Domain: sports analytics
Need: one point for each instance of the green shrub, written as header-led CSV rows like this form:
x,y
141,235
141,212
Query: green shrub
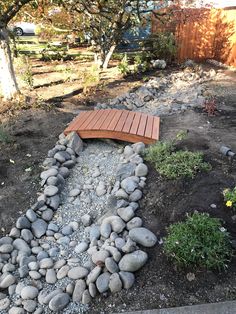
x,y
199,242
230,197
90,78
24,69
175,164
161,46
124,66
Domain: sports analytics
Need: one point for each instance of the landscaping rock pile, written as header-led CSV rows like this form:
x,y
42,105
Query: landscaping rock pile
x,y
173,93
82,237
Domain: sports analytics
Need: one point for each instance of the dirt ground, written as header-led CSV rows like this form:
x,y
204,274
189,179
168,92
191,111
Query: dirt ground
x,y
158,284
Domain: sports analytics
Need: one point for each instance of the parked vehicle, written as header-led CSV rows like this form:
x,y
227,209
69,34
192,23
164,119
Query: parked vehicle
x,y
23,28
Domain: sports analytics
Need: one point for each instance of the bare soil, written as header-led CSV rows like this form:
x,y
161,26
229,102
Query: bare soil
x,y
159,284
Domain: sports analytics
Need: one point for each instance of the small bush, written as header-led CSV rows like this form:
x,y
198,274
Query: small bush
x,y
24,68
90,78
124,66
199,242
175,164
230,197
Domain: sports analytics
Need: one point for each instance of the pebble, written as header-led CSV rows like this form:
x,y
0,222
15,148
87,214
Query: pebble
x,y
74,192
138,148
127,279
143,236
115,284
67,230
16,310
51,277
51,190
86,297
86,220
93,275
126,213
81,247
77,273
29,292
92,290
80,287
102,282
29,305
6,248
47,214
133,261
135,196
111,265
23,223
141,170
34,274
105,230
7,280
4,303
46,263
62,272
100,256
135,222
27,235
39,228
129,185
48,173
30,214
45,296
116,222
59,302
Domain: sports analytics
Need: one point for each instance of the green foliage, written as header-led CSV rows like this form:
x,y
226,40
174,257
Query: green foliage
x,y
24,69
199,242
140,64
4,136
174,164
52,53
124,66
90,78
161,46
230,197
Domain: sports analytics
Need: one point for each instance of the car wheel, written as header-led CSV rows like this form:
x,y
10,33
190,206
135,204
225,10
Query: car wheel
x,y
18,31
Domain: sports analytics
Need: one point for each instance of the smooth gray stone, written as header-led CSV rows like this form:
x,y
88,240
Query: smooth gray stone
x,y
52,181
54,201
116,222
30,214
93,275
50,190
74,142
143,236
92,290
45,296
135,222
64,172
102,282
94,232
23,223
127,279
51,277
129,185
4,304
81,247
115,284
42,255
111,265
141,170
27,235
53,227
126,213
23,271
80,287
133,261
16,310
6,248
125,171
48,173
47,214
29,305
77,272
100,256
39,228
136,196
21,245
105,230
86,297
7,280
46,263
62,272
59,302
67,230
29,292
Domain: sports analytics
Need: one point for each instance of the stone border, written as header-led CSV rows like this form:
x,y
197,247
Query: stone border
x,y
114,241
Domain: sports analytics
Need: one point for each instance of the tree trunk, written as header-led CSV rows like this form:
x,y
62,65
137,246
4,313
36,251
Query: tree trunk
x,y
108,56
9,87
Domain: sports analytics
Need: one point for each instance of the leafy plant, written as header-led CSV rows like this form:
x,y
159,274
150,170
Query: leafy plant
x,y
124,66
140,64
174,164
25,70
230,197
161,46
90,78
200,241
210,107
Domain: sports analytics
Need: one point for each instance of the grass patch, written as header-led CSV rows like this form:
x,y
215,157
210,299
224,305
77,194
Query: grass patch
x,y
199,242
174,164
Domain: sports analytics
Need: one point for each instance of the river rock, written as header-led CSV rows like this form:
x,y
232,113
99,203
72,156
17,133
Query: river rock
x,y
135,222
93,275
86,220
23,223
48,173
92,290
133,261
29,305
143,236
45,296
129,184
135,196
39,228
4,304
59,302
77,272
126,213
30,214
100,256
16,310
75,142
86,297
105,230
102,282
46,263
116,223
115,284
51,276
6,248
7,280
50,190
125,171
141,170
138,148
27,235
80,287
81,247
111,265
127,279
29,292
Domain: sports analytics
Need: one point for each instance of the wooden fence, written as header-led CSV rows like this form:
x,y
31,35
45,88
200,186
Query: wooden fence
x,y
201,33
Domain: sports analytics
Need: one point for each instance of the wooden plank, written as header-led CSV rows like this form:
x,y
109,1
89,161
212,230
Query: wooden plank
x,y
106,123
115,120
86,123
128,122
121,121
142,125
135,124
103,118
155,129
96,119
148,131
73,124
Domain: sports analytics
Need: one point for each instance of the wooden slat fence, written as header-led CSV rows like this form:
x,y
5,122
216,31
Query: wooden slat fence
x,y
202,33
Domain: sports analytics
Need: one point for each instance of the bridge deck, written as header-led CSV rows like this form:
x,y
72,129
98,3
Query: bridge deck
x,y
123,125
